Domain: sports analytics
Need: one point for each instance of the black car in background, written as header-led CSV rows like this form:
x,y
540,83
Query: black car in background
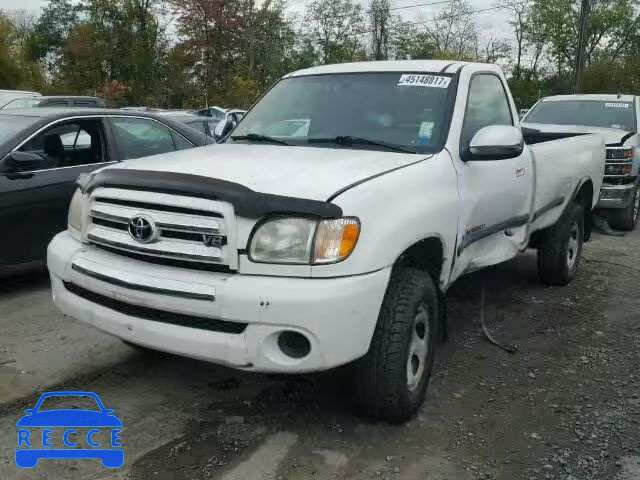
x,y
55,101
44,150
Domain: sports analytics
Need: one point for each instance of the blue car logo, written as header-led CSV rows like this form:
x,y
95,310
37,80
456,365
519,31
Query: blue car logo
x,y
32,446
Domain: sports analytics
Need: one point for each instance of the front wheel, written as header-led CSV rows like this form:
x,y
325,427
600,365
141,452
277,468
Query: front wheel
x,y
392,378
560,247
626,218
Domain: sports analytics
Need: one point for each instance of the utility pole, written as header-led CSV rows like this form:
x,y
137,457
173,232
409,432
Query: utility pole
x,y
580,50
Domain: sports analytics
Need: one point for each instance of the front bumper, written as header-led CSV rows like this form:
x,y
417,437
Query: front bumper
x,y
616,196
337,315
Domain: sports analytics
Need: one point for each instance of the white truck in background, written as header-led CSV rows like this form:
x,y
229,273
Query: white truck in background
x,y
615,117
334,243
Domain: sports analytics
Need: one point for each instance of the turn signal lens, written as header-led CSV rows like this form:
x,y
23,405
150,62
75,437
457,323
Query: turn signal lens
x,y
627,153
626,169
336,239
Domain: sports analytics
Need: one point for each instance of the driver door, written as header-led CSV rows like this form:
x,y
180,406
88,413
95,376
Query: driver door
x,y
495,193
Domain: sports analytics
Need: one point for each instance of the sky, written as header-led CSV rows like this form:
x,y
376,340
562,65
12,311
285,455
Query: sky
x,y
493,21
31,5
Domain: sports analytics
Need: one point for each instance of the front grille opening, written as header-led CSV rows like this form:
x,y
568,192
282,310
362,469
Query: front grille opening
x,y
187,264
145,313
154,206
108,223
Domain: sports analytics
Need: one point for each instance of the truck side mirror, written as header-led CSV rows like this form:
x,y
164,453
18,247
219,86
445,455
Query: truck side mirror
x,y
496,142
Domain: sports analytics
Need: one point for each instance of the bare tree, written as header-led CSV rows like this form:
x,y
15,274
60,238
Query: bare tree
x,y
494,50
23,23
519,10
335,25
380,15
454,32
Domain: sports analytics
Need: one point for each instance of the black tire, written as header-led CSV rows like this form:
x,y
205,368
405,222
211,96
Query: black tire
x,y
560,247
626,218
384,388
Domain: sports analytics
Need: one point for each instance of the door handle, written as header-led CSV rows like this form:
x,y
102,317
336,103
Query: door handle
x,y
520,171
19,175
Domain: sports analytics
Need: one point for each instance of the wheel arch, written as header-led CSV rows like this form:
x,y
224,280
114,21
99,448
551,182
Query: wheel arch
x,y
583,194
428,255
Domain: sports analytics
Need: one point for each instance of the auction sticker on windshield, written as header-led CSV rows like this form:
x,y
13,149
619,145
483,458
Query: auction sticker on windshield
x,y
436,81
617,105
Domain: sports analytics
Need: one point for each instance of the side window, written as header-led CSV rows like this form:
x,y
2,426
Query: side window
x,y
216,114
200,125
140,137
69,144
180,142
76,140
487,104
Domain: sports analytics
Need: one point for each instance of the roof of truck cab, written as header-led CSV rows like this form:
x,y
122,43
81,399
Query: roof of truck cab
x,y
598,97
401,66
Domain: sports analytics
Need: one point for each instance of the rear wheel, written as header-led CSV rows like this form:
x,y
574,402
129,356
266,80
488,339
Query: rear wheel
x,y
391,380
626,218
560,247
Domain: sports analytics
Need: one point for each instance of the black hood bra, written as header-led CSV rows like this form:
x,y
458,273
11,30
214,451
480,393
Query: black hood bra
x,y
246,202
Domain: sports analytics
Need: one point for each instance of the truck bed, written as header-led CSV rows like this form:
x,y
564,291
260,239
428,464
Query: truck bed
x,y
558,159
532,136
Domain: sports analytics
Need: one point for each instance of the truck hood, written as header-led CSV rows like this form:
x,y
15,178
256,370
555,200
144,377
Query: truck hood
x,y
611,135
303,172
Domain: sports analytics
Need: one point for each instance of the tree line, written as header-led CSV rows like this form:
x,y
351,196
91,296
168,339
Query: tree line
x,y
190,53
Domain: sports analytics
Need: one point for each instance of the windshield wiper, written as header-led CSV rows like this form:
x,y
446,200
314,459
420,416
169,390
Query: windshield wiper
x,y
256,137
348,140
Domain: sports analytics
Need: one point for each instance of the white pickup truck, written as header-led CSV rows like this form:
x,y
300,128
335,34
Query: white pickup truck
x,y
328,227
616,118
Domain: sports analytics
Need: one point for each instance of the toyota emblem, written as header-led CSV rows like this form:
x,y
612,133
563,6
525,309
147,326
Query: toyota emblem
x,y
142,229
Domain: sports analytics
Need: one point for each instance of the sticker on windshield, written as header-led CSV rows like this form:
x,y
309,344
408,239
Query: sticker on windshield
x,y
425,133
616,105
424,80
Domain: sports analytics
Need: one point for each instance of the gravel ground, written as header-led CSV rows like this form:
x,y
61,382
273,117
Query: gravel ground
x,y
565,406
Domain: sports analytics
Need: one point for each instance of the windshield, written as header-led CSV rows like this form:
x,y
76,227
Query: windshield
x,y
589,113
406,110
10,125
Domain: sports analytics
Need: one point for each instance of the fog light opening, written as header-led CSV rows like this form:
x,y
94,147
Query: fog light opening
x,y
294,344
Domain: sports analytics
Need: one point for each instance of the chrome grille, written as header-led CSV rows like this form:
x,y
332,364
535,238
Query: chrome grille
x,y
182,231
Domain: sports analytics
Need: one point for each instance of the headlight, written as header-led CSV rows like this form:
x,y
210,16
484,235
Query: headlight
x,y
620,169
74,220
619,153
304,241
284,240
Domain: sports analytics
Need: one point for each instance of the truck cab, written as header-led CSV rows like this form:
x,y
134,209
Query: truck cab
x,y
615,117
